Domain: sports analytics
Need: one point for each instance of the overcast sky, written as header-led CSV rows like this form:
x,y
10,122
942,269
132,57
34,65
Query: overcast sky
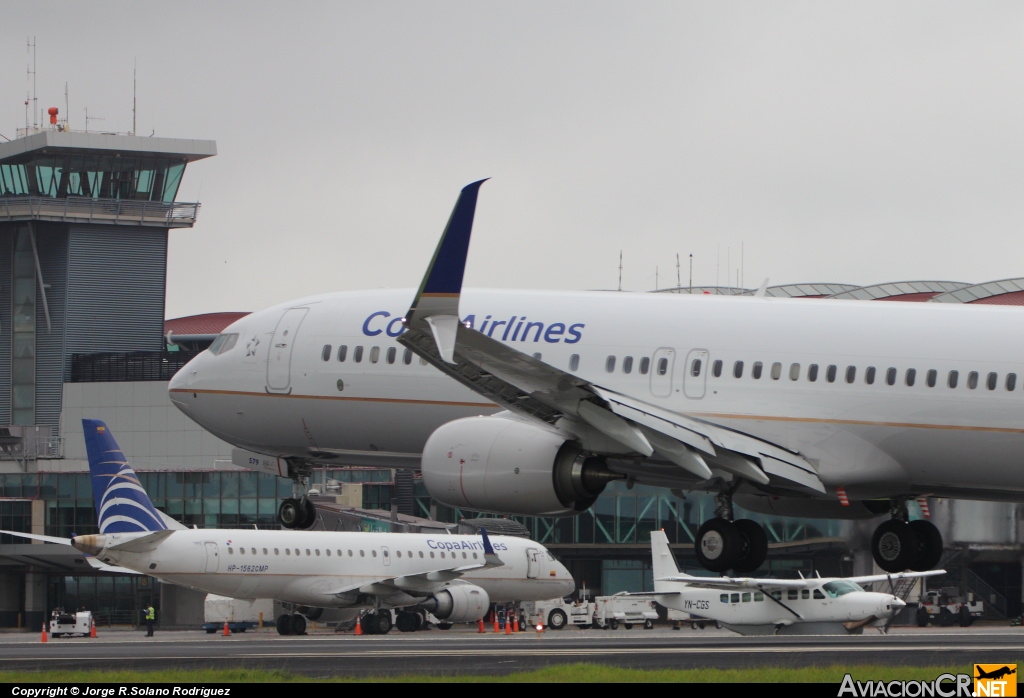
x,y
851,142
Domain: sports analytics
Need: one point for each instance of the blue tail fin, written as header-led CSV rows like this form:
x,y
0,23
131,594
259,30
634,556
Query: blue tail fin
x,y
122,505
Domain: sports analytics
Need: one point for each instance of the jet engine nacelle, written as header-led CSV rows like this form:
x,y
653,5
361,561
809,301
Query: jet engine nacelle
x,y
462,603
508,466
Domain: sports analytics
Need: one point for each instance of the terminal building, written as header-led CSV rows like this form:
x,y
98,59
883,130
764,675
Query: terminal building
x,y
84,225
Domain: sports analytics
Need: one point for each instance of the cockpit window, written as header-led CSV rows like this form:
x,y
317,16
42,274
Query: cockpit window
x,y
223,343
840,588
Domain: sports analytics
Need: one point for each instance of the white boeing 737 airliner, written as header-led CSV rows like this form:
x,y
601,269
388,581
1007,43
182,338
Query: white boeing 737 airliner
x,y
454,577
529,402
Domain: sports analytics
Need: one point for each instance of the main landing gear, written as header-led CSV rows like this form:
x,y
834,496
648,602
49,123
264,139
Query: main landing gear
x,y
898,545
724,544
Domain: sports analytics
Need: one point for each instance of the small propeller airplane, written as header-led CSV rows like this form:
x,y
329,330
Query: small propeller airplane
x,y
749,606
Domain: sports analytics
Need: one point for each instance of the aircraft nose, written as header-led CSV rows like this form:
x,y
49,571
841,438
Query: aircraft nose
x,y
180,384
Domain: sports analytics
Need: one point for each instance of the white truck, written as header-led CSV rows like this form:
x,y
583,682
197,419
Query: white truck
x,y
947,606
601,613
239,614
67,624
623,609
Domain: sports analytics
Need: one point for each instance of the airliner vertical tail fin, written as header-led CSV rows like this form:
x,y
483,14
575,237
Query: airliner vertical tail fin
x,y
122,505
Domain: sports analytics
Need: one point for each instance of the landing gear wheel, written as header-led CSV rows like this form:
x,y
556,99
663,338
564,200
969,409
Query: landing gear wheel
x,y
284,624
408,621
718,545
309,513
965,617
922,617
756,548
382,625
894,545
289,514
369,623
298,624
929,545
557,619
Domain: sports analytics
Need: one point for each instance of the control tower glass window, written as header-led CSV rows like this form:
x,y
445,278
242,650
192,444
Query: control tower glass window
x,y
63,175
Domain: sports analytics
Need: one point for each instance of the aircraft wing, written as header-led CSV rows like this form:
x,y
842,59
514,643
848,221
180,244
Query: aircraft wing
x,y
527,386
868,579
734,583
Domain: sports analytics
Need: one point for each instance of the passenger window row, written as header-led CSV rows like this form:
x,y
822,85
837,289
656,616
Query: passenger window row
x,y
315,552
374,355
892,375
643,366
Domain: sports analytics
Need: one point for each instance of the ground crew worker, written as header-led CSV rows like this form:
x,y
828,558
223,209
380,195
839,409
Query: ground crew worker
x,y
150,620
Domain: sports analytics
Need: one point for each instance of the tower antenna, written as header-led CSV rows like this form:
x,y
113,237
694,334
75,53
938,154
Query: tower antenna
x,y
31,47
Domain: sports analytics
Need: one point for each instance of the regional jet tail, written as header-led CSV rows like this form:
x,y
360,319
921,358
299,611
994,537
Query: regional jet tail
x,y
453,577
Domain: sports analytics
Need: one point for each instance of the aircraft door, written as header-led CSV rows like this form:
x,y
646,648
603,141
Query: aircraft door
x,y
532,563
661,372
212,558
695,377
279,358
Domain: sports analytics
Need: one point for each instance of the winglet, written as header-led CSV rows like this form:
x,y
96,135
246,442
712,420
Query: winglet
x,y
491,558
442,284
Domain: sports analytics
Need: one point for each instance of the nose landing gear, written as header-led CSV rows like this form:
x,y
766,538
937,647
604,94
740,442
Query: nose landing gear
x,y
296,513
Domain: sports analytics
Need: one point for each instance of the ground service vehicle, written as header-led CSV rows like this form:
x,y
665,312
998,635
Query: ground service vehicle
x,y
947,606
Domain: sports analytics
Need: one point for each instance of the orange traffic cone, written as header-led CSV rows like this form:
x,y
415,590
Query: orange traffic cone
x,y
495,616
508,627
44,637
92,627
481,629
227,630
515,620
540,630
359,627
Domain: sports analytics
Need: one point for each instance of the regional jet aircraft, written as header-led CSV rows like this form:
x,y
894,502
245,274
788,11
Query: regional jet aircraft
x,y
453,577
530,402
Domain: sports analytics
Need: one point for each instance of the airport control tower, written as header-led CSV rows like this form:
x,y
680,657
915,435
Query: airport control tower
x,y
84,220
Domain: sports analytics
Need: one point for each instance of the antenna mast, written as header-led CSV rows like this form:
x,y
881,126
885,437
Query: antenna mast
x,y
31,47
620,270
135,70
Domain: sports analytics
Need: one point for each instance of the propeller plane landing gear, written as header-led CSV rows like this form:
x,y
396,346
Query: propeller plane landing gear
x,y
899,545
